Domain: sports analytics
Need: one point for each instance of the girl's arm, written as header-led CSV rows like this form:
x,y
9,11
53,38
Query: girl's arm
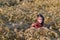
x,y
33,24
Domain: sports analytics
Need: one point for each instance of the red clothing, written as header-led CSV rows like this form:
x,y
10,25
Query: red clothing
x,y
36,25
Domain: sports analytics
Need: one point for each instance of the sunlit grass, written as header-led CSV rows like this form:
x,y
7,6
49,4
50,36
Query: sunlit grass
x,y
16,17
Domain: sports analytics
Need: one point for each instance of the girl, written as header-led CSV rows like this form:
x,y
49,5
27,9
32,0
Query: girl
x,y
39,21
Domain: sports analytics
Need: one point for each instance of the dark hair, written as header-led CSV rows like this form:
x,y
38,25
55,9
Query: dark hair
x,y
40,15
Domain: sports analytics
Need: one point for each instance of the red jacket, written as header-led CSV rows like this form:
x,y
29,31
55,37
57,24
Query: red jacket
x,y
36,25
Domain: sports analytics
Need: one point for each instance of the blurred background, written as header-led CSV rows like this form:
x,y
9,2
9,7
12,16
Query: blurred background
x,y
20,14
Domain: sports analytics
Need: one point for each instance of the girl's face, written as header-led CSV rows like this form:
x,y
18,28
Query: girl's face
x,y
39,19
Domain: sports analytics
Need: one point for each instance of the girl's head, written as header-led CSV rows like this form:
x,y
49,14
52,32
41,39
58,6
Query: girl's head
x,y
40,19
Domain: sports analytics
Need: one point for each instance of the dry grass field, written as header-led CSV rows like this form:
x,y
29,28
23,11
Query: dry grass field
x,y
16,17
